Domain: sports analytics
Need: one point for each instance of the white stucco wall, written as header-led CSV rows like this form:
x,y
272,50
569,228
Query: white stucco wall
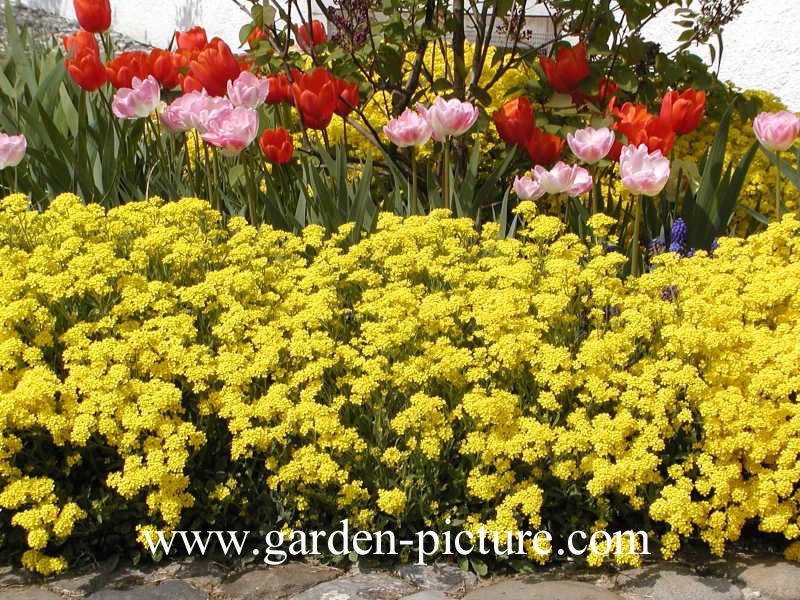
x,y
762,47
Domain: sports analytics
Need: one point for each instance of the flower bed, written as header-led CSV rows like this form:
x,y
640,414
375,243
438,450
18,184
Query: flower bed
x,y
159,370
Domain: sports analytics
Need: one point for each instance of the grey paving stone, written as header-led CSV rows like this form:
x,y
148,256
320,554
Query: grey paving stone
x,y
669,582
28,593
204,575
441,577
277,582
11,576
427,595
775,579
166,590
544,590
363,586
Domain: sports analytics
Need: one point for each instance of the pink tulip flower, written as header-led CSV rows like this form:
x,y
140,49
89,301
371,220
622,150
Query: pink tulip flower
x,y
776,131
12,150
232,130
581,184
248,90
590,145
137,101
557,180
451,117
409,129
527,188
643,172
193,111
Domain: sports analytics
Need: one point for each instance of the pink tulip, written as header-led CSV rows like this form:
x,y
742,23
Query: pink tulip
x,y
248,90
557,180
451,117
582,183
590,145
776,131
194,111
12,150
527,188
137,101
232,130
643,172
409,129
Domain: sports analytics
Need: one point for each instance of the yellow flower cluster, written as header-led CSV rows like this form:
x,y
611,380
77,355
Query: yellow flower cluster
x,y
186,368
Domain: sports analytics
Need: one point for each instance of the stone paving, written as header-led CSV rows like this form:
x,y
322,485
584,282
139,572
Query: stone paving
x,y
764,578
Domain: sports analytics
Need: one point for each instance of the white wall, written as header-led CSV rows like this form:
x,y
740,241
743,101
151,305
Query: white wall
x,y
762,47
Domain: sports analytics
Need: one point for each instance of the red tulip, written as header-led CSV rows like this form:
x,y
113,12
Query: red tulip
x,y
515,121
125,67
190,84
277,145
311,34
280,90
164,65
214,67
87,70
256,36
632,117
544,148
568,70
347,97
193,40
615,152
315,96
93,15
683,111
80,42
656,134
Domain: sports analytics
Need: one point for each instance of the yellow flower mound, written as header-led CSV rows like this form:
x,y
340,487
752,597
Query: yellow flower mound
x,y
159,369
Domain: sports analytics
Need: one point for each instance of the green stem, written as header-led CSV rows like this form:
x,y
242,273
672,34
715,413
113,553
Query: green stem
x,y
636,225
778,203
251,189
446,175
414,190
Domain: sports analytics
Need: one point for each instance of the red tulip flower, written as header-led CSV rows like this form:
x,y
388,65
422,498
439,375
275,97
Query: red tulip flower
x,y
683,111
83,60
256,36
93,15
280,90
515,121
125,67
87,70
310,35
656,134
193,40
544,148
214,67
164,66
80,42
568,70
347,97
316,97
277,145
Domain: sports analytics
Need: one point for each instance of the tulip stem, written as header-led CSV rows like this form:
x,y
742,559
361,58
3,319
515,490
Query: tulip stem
x,y
446,175
778,203
251,190
637,221
414,191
